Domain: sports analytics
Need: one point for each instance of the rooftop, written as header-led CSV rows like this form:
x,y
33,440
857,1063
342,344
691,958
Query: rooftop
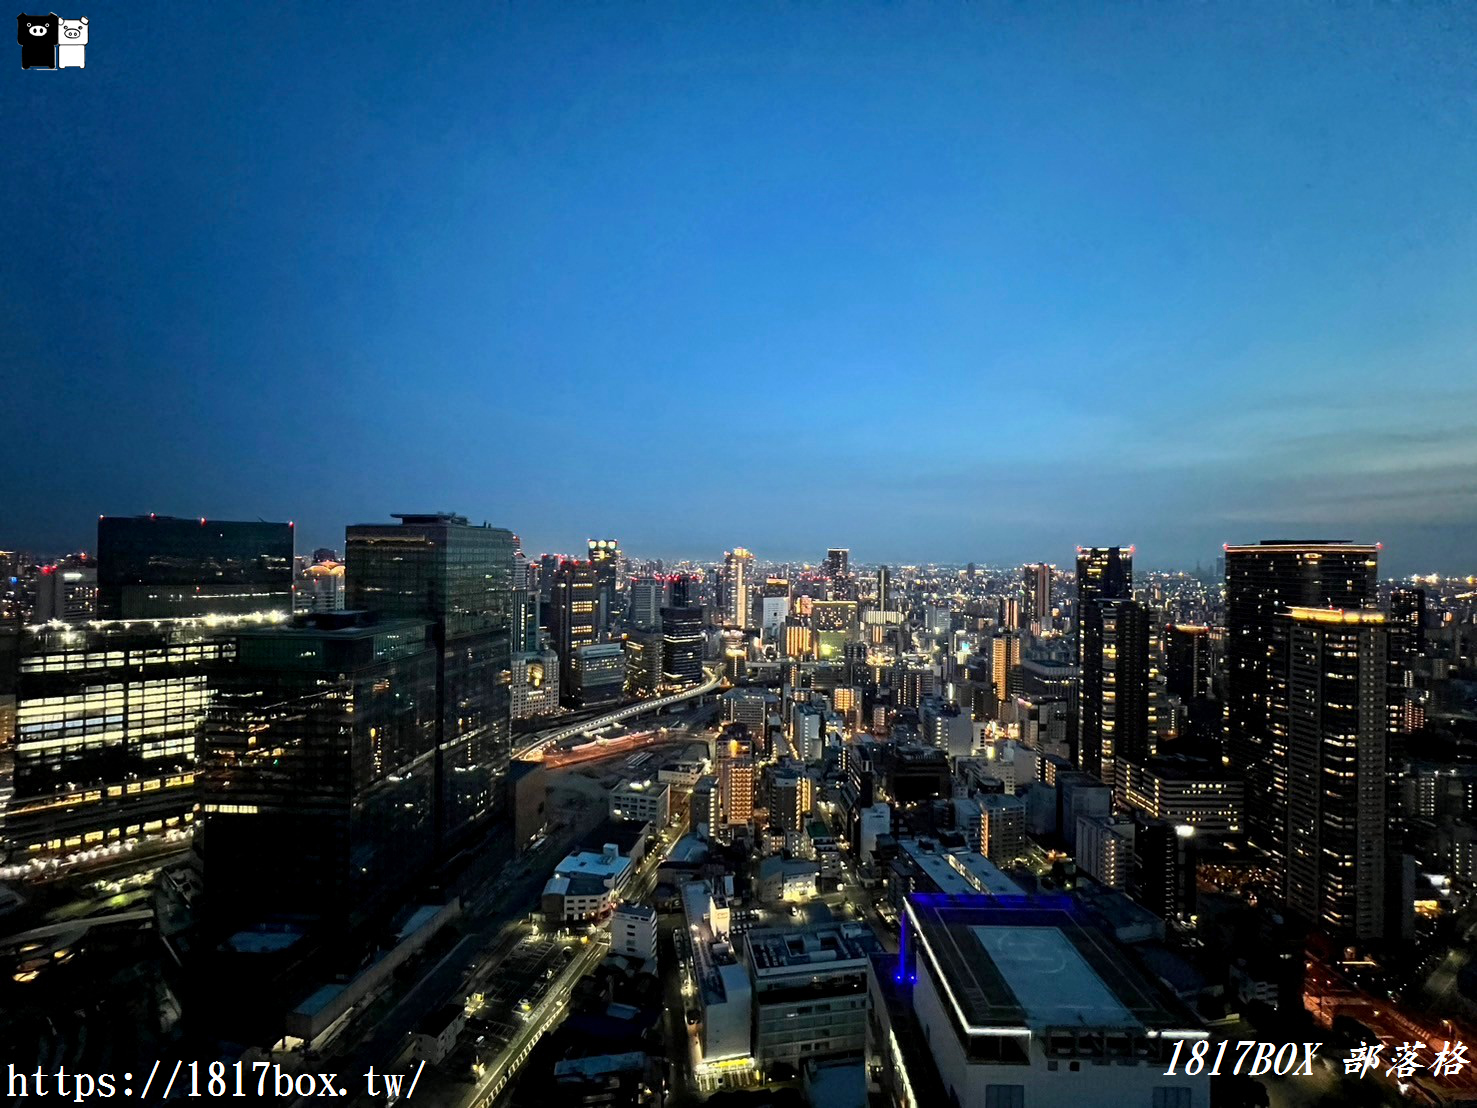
x,y
637,911
1031,966
775,948
623,834
598,1065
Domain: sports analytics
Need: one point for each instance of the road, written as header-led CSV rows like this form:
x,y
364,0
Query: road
x,y
1328,994
551,1009
534,749
547,1014
494,920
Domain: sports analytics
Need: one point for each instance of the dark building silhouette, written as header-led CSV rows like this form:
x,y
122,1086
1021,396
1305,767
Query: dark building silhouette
x,y
1334,856
1114,703
160,567
1164,858
682,646
317,771
574,611
1262,583
1187,661
1037,579
458,577
1104,573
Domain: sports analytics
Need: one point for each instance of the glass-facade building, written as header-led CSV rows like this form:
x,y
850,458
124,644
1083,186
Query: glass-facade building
x,y
159,567
682,647
459,578
318,770
574,615
107,716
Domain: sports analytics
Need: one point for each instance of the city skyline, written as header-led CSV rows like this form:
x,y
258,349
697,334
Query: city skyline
x,y
996,281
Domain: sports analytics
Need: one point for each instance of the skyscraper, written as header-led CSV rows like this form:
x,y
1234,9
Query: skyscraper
x,y
159,567
1104,573
1262,583
1336,784
1187,660
884,589
1407,642
682,646
458,577
837,572
605,555
317,767
1114,704
648,597
643,662
574,612
1005,666
736,563
835,623
685,591
1038,592
774,608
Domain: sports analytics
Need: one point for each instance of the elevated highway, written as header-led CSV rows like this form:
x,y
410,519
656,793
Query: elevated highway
x,y
533,750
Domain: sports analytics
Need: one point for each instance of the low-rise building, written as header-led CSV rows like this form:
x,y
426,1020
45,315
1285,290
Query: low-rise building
x,y
587,884
787,879
436,1035
633,931
645,801
718,984
810,992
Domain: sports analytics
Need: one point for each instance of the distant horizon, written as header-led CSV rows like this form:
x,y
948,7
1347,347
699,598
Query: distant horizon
x,y
533,552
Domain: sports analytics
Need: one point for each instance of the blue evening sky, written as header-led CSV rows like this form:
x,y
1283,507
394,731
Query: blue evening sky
x,y
933,281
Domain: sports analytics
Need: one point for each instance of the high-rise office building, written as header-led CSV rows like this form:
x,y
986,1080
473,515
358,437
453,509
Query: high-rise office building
x,y
66,592
1336,772
317,770
159,567
884,589
535,687
106,721
1262,583
1114,702
736,566
1038,592
605,557
682,646
648,597
774,608
574,613
686,591
600,674
643,663
458,577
